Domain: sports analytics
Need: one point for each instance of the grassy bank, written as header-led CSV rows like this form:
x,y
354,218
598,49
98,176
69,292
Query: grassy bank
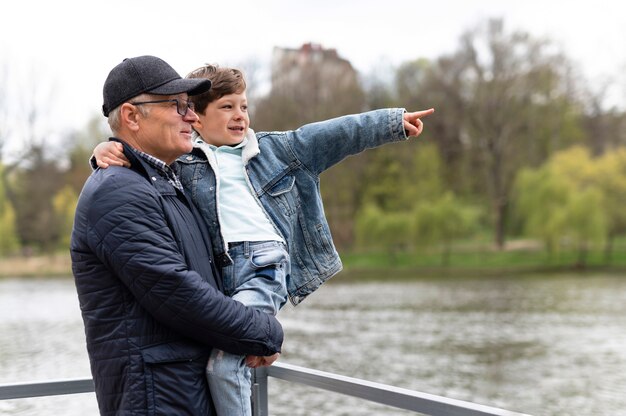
x,y
475,259
36,266
518,257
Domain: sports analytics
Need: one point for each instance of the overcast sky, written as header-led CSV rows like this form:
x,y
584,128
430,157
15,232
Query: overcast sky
x,y
73,44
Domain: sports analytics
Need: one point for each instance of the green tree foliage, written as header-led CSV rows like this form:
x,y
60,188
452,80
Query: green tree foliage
x,y
540,198
64,204
561,203
387,231
442,221
33,187
585,212
401,175
587,221
388,180
610,179
426,177
508,105
8,237
397,180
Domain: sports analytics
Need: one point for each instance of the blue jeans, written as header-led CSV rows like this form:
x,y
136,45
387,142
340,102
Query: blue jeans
x,y
257,278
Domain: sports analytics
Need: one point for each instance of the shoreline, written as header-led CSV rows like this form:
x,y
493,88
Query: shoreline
x,y
51,265
59,264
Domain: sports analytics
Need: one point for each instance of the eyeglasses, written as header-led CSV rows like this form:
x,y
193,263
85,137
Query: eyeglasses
x,y
182,106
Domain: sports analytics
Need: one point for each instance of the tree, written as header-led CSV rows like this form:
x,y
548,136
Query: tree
x,y
8,236
610,179
308,84
389,231
30,176
80,145
378,87
387,180
540,197
64,204
399,176
442,86
587,221
32,188
442,221
561,202
514,105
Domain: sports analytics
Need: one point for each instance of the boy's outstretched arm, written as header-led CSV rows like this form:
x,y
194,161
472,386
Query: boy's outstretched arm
x,y
413,123
110,154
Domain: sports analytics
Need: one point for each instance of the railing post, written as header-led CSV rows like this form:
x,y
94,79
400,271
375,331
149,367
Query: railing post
x,y
260,405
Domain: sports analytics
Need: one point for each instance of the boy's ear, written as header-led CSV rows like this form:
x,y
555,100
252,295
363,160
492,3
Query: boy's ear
x,y
197,125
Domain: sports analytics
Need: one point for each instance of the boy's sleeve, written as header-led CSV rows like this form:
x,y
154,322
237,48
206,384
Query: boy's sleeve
x,y
318,146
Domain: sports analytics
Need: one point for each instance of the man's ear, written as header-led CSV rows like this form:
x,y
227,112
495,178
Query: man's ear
x,y
129,115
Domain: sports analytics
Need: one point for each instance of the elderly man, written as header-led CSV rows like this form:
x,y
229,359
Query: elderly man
x,y
148,288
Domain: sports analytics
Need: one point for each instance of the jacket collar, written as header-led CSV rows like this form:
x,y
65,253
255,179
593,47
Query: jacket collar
x,y
250,149
142,167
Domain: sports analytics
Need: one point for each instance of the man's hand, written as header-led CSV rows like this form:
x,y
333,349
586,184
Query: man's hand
x,y
412,123
110,154
254,361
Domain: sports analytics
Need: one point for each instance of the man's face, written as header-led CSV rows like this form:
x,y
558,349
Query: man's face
x,y
225,120
163,132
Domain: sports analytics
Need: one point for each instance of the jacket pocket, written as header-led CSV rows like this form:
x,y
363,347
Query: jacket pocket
x,y
283,185
269,255
325,241
282,195
175,379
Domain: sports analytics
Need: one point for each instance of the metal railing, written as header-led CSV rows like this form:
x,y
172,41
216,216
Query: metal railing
x,y
423,403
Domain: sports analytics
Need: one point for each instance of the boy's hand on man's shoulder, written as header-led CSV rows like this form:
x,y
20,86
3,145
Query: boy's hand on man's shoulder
x,y
110,154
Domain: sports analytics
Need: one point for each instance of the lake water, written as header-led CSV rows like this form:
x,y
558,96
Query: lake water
x,y
546,346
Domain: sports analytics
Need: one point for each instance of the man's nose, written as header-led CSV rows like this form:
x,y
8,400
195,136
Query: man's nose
x,y
190,116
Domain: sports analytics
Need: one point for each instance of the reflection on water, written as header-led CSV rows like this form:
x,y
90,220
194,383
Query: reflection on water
x,y
545,346
42,338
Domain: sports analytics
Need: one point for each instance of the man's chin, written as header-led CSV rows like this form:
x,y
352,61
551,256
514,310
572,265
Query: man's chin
x,y
186,146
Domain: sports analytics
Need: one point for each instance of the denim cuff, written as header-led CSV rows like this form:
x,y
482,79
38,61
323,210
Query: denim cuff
x,y
396,121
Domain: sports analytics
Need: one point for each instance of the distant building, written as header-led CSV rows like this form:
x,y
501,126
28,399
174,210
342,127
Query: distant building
x,y
311,66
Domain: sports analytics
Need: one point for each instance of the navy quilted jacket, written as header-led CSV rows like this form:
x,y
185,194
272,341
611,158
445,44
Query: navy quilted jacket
x,y
150,297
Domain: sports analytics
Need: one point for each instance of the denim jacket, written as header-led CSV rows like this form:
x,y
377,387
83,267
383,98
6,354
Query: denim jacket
x,y
282,169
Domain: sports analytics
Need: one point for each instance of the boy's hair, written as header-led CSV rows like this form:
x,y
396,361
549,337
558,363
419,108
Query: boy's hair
x,y
224,81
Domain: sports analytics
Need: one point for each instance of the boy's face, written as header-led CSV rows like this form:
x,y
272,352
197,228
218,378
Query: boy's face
x,y
225,121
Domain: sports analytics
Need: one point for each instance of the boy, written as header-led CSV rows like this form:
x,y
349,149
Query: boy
x,y
259,194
